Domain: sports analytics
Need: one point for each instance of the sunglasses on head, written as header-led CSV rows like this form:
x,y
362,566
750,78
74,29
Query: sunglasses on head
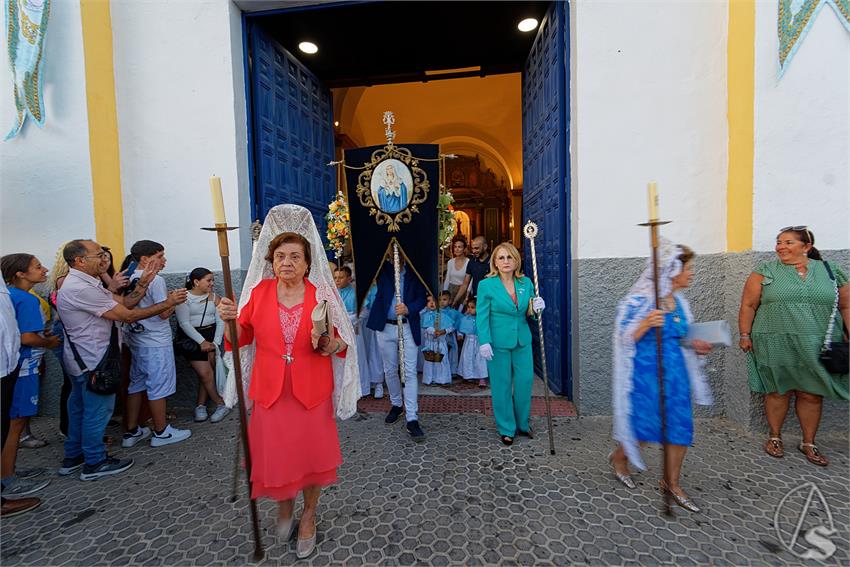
x,y
787,228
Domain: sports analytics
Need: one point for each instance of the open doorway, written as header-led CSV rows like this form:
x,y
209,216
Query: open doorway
x,y
373,56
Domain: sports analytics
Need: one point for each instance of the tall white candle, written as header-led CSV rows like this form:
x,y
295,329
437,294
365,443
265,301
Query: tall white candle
x,y
652,196
217,200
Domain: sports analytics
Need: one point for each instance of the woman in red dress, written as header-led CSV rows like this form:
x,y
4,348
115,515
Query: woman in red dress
x,y
292,431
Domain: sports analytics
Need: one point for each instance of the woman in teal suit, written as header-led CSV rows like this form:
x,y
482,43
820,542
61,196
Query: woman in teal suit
x,y
505,301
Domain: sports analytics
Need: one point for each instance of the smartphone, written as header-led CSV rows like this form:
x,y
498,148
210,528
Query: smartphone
x,y
131,269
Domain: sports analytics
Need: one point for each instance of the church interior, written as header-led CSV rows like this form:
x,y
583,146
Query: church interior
x,y
451,73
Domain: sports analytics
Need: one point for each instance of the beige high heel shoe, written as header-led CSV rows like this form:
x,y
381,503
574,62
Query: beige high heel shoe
x,y
626,479
305,547
682,501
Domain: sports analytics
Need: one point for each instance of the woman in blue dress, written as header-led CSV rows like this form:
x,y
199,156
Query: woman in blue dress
x,y
637,416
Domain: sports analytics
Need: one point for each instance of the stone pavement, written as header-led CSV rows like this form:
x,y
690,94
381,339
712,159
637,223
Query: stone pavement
x,y
458,498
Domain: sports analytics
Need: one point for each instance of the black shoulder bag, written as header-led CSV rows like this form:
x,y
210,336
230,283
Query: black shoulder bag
x,y
183,343
834,355
105,379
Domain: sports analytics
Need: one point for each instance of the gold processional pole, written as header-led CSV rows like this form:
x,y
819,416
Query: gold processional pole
x,y
221,229
653,225
530,232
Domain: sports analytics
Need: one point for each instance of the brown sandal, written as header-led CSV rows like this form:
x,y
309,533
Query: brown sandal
x,y
814,457
774,447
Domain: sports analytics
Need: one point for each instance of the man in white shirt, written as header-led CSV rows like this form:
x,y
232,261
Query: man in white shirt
x,y
152,367
88,311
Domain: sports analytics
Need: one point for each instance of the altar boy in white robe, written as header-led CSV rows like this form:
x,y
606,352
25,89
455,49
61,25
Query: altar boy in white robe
x,y
373,351
450,318
434,344
342,277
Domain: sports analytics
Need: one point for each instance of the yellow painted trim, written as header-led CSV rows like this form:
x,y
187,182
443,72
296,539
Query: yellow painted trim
x,y
103,125
740,102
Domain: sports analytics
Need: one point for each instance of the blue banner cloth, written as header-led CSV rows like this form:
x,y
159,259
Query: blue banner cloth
x,y
796,18
26,26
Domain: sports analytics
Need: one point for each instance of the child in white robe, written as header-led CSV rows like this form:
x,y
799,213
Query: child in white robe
x,y
434,339
451,317
373,352
472,365
342,278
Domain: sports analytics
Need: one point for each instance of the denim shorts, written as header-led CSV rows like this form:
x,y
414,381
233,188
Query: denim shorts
x,y
152,370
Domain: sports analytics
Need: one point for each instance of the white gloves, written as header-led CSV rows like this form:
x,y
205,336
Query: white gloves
x,y
486,352
538,304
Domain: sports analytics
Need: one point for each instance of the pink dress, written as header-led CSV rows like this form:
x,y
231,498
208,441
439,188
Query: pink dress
x,y
292,447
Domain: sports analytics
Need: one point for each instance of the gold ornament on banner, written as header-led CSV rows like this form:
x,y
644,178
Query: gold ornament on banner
x,y
392,185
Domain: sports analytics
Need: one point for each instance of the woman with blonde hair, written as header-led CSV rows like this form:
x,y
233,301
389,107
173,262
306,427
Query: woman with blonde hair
x,y
505,301
54,282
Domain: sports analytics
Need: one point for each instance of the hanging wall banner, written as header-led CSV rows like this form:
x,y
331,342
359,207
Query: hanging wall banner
x,y
796,18
393,192
26,25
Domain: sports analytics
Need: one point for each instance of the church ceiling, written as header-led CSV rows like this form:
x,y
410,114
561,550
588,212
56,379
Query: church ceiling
x,y
368,43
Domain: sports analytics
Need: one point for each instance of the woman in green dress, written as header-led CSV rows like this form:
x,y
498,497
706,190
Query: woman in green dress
x,y
785,312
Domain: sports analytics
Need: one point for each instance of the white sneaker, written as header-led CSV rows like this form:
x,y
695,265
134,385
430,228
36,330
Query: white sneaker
x,y
219,413
379,391
169,436
131,439
201,413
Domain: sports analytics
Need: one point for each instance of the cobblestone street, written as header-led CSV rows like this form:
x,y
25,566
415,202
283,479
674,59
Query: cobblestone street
x,y
458,498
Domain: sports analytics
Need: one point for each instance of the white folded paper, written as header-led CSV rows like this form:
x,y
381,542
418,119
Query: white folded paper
x,y
714,332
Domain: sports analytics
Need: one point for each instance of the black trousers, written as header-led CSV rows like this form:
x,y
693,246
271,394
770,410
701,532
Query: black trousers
x,y
7,390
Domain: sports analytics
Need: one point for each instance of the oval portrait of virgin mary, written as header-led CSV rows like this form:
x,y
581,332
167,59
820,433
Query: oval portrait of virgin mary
x,y
392,186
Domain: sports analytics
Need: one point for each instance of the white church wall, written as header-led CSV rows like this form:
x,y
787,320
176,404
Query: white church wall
x,y
802,132
639,116
45,174
181,118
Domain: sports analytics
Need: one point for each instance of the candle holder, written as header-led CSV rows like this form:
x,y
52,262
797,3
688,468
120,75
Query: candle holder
x,y
224,252
653,225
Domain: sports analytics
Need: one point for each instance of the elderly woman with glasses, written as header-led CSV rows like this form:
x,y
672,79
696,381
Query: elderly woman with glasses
x,y
786,310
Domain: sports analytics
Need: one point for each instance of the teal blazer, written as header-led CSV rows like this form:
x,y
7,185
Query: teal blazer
x,y
501,323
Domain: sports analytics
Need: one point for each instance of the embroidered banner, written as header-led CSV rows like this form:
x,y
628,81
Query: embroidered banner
x,y
796,18
26,25
393,195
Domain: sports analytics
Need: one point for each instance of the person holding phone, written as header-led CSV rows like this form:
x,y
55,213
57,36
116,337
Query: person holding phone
x,y
152,370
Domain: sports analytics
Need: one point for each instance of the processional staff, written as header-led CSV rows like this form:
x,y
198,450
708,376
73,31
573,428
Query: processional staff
x,y
653,224
398,318
530,232
221,229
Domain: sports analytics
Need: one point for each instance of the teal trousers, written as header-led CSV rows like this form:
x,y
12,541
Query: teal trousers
x,y
511,375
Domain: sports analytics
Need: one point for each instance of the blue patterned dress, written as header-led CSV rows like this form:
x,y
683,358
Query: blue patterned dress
x,y
645,413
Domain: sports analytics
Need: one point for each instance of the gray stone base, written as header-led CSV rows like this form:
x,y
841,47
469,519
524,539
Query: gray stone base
x,y
715,294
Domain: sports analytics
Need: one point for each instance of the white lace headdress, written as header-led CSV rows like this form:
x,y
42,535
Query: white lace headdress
x,y
292,218
631,310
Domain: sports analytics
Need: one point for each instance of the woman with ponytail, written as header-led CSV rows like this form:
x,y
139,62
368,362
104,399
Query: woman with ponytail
x,y
199,332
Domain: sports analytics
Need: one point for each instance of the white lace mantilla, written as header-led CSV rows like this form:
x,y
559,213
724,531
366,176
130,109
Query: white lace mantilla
x,y
293,218
631,310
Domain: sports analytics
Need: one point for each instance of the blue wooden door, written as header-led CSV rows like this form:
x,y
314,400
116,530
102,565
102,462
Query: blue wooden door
x,y
292,132
546,176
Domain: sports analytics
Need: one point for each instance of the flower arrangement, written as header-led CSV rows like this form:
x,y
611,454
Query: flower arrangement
x,y
446,215
339,229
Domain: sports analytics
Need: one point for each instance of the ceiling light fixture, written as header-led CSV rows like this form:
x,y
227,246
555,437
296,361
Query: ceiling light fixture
x,y
310,48
527,25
